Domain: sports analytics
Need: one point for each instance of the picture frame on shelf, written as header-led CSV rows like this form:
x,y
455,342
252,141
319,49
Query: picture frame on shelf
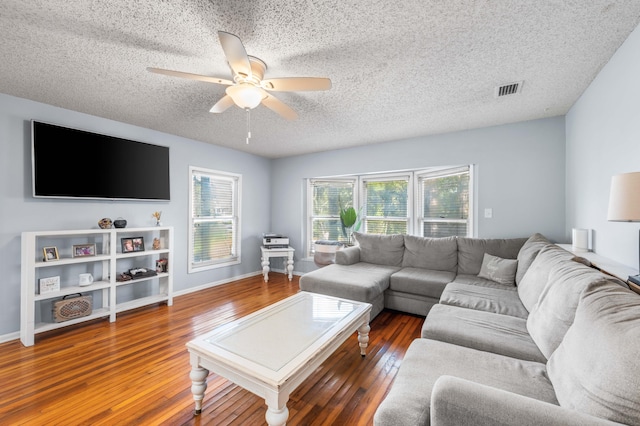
x,y
84,250
50,253
49,285
131,245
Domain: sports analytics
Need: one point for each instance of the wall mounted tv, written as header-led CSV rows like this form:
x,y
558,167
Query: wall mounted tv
x,y
72,163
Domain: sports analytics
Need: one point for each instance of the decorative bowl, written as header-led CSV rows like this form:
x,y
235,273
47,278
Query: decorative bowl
x,y
120,223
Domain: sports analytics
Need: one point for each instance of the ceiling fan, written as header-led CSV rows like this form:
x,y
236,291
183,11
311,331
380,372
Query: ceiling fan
x,y
248,89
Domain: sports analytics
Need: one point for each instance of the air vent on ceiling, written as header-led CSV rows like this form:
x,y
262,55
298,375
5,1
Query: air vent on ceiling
x,y
509,89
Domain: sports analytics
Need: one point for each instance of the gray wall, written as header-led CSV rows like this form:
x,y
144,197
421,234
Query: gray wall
x,y
603,139
520,175
19,211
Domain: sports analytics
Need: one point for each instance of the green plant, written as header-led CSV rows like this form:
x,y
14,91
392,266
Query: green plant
x,y
350,222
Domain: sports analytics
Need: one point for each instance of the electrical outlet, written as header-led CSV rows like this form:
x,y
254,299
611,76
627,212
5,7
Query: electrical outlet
x,y
488,213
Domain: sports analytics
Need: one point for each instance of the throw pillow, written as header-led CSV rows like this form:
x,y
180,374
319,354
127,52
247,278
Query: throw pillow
x,y
497,269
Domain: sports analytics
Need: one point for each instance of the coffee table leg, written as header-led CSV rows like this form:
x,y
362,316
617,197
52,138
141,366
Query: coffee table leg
x,y
363,338
277,417
198,377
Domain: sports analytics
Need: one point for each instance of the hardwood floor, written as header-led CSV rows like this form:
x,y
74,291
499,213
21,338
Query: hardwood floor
x,y
135,371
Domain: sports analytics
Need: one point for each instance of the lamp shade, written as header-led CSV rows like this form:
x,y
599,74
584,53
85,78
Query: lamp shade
x,y
624,198
245,95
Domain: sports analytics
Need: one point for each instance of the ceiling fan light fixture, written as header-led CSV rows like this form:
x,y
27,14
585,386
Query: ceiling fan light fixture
x,y
245,95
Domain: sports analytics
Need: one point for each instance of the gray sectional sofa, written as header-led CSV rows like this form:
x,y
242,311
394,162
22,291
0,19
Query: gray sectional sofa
x,y
408,273
516,331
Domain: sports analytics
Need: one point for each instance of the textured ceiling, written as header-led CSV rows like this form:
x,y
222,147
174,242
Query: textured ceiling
x,y
399,69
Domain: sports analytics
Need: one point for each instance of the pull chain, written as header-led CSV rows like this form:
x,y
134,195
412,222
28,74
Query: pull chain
x,y
248,125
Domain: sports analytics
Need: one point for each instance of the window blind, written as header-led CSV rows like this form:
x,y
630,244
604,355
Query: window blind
x,y
327,197
214,219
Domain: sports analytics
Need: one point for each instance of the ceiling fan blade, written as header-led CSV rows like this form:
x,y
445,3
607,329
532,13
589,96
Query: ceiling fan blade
x,y
190,76
295,84
236,54
222,104
278,106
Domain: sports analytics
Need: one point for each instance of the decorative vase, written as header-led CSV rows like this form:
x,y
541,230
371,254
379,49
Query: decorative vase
x,y
120,223
156,216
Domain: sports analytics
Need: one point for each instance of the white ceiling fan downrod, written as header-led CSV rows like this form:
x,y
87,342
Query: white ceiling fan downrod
x,y
248,124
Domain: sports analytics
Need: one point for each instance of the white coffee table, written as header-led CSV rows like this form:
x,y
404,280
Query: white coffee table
x,y
273,350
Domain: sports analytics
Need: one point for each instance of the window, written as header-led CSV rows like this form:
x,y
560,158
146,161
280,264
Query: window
x,y
326,198
215,224
435,202
444,203
386,204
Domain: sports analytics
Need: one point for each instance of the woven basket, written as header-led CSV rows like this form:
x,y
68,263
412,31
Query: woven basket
x,y
71,308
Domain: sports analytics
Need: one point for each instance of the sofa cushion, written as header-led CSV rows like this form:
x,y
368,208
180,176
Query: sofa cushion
x,y
361,281
528,253
504,301
497,269
471,251
536,277
554,312
595,368
424,282
381,249
485,331
408,401
440,254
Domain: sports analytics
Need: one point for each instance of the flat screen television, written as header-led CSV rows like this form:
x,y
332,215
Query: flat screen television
x,y
72,163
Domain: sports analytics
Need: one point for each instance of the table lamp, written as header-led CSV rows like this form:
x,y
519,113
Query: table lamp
x,y
624,204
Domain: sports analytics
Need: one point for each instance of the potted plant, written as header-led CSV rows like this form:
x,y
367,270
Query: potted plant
x,y
350,222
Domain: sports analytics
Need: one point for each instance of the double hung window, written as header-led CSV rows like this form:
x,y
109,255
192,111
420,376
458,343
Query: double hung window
x,y
327,197
443,200
214,219
386,204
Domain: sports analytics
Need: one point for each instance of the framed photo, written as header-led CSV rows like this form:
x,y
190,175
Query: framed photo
x,y
49,285
50,253
130,245
82,250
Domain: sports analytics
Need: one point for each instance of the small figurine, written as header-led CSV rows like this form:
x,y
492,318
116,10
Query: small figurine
x,y
156,243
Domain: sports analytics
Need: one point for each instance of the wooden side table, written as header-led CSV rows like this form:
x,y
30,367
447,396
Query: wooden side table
x,y
268,253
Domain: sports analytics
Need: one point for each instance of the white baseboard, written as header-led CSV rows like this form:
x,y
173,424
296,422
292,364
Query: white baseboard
x,y
215,283
9,337
225,281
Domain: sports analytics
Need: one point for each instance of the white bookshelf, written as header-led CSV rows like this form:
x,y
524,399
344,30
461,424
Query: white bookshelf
x,y
110,296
